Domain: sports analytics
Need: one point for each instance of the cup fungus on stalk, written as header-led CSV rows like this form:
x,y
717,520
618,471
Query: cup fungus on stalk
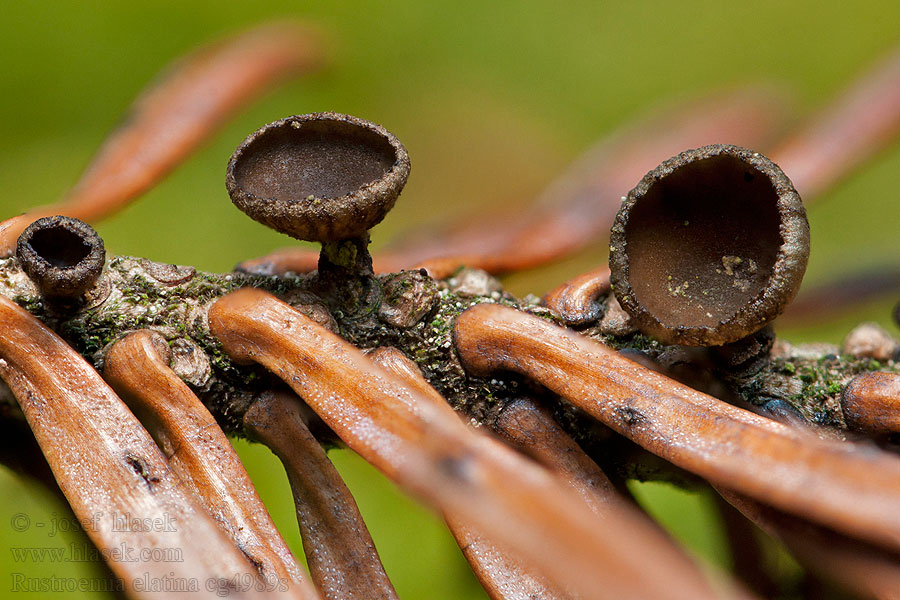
x,y
64,257
322,177
709,247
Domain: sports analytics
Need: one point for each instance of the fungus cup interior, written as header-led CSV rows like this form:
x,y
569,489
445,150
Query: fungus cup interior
x,y
59,246
305,160
703,241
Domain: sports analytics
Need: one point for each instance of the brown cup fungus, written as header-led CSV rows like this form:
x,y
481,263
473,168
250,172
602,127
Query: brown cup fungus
x,y
709,247
63,256
323,177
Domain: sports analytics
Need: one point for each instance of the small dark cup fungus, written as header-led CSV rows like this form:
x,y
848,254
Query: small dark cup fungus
x,y
321,177
709,247
63,256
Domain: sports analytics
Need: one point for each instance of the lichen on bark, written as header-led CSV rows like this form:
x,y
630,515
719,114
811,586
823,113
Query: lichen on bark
x,y
140,294
416,315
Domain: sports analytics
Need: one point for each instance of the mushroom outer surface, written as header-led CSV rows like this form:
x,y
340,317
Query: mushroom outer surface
x,y
319,177
64,256
709,247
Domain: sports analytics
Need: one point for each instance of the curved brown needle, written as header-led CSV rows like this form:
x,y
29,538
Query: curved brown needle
x,y
576,300
860,567
748,558
198,452
171,119
576,209
109,468
531,428
501,576
789,469
871,403
858,123
341,554
443,462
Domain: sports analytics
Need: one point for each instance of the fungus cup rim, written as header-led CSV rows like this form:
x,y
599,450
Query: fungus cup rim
x,y
62,280
781,286
323,219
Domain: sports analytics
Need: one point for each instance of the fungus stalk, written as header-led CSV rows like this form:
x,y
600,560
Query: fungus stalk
x,y
326,178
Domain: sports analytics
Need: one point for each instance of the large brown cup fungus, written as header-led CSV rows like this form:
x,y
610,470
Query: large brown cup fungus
x,y
322,177
709,247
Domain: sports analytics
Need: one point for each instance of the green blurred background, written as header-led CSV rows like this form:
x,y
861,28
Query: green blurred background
x,y
491,99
